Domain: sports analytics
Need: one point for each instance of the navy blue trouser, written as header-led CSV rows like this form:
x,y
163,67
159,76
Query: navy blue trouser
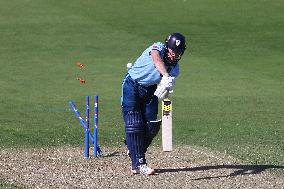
x,y
139,106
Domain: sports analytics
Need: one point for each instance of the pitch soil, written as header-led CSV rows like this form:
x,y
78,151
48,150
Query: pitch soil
x,y
185,167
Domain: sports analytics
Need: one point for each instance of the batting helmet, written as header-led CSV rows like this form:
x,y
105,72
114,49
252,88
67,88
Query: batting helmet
x,y
176,42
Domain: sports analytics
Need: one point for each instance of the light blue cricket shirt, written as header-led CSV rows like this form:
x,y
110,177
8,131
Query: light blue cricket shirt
x,y
144,70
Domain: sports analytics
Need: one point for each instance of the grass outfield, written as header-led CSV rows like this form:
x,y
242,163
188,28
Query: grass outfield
x,y
229,96
5,185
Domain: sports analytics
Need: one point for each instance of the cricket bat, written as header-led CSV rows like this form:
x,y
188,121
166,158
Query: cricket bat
x,y
167,140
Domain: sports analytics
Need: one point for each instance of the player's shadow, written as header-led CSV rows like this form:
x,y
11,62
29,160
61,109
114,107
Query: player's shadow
x,y
237,169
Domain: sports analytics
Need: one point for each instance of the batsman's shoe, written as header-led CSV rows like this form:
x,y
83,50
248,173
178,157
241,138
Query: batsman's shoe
x,y
128,153
143,169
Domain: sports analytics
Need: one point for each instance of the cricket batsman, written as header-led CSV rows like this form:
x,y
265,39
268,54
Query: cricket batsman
x,y
150,78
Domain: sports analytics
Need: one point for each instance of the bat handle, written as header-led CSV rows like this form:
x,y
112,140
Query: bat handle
x,y
167,95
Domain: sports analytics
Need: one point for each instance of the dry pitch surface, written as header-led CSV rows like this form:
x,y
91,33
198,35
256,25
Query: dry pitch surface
x,y
185,167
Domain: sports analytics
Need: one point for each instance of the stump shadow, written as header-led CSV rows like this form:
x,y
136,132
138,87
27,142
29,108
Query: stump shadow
x,y
114,154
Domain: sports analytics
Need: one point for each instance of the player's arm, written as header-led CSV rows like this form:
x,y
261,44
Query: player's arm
x,y
167,82
159,64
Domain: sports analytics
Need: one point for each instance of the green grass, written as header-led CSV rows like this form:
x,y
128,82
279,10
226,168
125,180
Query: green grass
x,y
229,96
8,185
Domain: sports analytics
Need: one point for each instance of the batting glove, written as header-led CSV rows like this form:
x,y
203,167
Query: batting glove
x,y
168,82
161,92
